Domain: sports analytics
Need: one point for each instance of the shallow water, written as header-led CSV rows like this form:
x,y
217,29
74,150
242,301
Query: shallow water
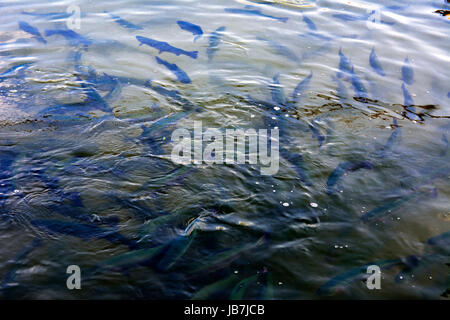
x,y
85,141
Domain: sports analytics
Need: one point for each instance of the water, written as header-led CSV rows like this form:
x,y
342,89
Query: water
x,y
81,145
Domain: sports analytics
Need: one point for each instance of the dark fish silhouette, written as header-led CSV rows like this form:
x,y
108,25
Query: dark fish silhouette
x,y
193,28
341,89
408,100
277,91
124,23
298,163
375,64
411,262
73,39
349,17
388,208
25,26
178,247
407,72
165,47
23,254
358,86
345,65
282,50
82,231
254,12
316,133
311,25
344,279
214,41
341,170
180,74
408,105
52,15
301,88
393,139
442,240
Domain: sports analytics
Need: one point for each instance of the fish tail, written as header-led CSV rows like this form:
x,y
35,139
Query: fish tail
x,y
193,54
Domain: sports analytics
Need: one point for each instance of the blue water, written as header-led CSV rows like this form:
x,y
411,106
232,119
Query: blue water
x,y
358,89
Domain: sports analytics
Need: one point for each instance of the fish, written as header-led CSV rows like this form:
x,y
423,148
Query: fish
x,y
219,288
78,111
260,280
349,17
178,247
82,231
316,133
165,47
25,26
214,41
174,95
277,92
358,86
282,50
341,90
255,12
408,105
73,39
301,88
375,64
149,227
124,23
22,255
129,260
311,25
193,28
392,140
14,71
442,240
407,72
345,65
53,15
341,170
162,123
239,290
408,100
298,163
316,35
223,259
143,213
344,279
411,262
388,208
180,74
417,265
317,52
